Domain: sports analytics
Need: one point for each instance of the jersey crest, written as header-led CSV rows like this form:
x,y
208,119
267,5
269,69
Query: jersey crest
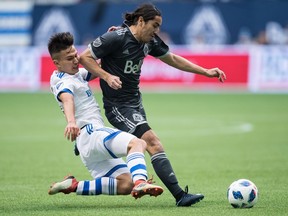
x,y
137,117
97,42
146,49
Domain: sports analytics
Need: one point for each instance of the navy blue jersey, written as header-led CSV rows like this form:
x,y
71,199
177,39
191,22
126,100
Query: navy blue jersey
x,y
122,55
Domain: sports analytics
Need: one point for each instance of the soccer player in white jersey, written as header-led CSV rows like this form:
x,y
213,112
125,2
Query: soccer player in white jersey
x,y
100,147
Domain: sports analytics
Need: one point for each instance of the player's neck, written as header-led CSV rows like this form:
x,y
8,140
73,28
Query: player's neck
x,y
133,30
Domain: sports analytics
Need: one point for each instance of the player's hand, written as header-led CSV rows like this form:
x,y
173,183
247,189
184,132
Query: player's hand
x,y
113,28
72,131
216,72
114,82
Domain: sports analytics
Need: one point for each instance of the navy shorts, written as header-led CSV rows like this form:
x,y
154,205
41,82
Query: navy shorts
x,y
129,119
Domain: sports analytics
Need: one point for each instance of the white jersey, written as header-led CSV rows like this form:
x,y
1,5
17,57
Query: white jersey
x,y
100,147
87,110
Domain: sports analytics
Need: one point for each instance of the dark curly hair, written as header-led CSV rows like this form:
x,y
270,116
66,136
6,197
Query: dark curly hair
x,y
147,11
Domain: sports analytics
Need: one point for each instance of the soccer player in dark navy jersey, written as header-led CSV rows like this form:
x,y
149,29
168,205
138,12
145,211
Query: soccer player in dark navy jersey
x,y
122,53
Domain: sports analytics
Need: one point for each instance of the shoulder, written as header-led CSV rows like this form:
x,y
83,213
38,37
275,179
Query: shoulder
x,y
62,78
109,42
122,31
57,82
116,35
109,39
56,77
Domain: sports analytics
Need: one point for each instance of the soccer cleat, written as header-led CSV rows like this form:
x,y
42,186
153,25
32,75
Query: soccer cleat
x,y
68,185
146,187
189,199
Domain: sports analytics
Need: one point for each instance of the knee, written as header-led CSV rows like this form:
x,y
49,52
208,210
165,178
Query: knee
x,y
142,144
138,144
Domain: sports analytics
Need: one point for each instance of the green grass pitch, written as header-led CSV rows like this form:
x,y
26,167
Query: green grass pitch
x,y
211,140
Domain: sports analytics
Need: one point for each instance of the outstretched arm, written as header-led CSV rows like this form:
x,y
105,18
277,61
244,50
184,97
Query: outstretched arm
x,y
71,130
183,64
90,64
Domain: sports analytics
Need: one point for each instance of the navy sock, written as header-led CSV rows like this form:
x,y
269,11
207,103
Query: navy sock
x,y
165,172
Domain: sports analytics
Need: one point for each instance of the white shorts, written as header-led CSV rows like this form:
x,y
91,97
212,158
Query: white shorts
x,y
101,150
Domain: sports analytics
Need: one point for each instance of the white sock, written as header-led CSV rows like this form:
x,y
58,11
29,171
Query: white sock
x,y
104,185
137,166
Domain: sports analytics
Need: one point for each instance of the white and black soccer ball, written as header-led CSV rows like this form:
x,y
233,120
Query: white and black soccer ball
x,y
242,193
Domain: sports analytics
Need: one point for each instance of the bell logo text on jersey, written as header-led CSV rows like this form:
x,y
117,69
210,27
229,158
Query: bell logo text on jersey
x,y
132,68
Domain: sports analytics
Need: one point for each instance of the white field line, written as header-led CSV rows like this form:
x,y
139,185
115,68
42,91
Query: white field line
x,y
231,128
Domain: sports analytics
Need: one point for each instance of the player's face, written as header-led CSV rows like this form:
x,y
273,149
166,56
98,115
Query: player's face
x,y
150,28
68,61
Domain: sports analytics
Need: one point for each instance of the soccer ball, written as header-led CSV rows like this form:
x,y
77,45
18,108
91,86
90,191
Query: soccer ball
x,y
242,193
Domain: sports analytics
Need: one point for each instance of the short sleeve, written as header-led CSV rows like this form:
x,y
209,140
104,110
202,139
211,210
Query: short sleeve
x,y
63,86
105,44
158,47
85,74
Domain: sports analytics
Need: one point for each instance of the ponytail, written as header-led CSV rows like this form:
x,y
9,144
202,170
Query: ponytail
x,y
147,11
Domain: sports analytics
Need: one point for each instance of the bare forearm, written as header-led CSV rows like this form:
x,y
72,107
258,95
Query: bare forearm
x,y
185,65
93,67
71,130
87,60
69,111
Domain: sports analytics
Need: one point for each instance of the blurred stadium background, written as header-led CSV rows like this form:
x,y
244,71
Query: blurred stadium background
x,y
218,137
248,39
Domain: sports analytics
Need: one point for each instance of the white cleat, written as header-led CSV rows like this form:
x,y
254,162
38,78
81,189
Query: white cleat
x,y
68,185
